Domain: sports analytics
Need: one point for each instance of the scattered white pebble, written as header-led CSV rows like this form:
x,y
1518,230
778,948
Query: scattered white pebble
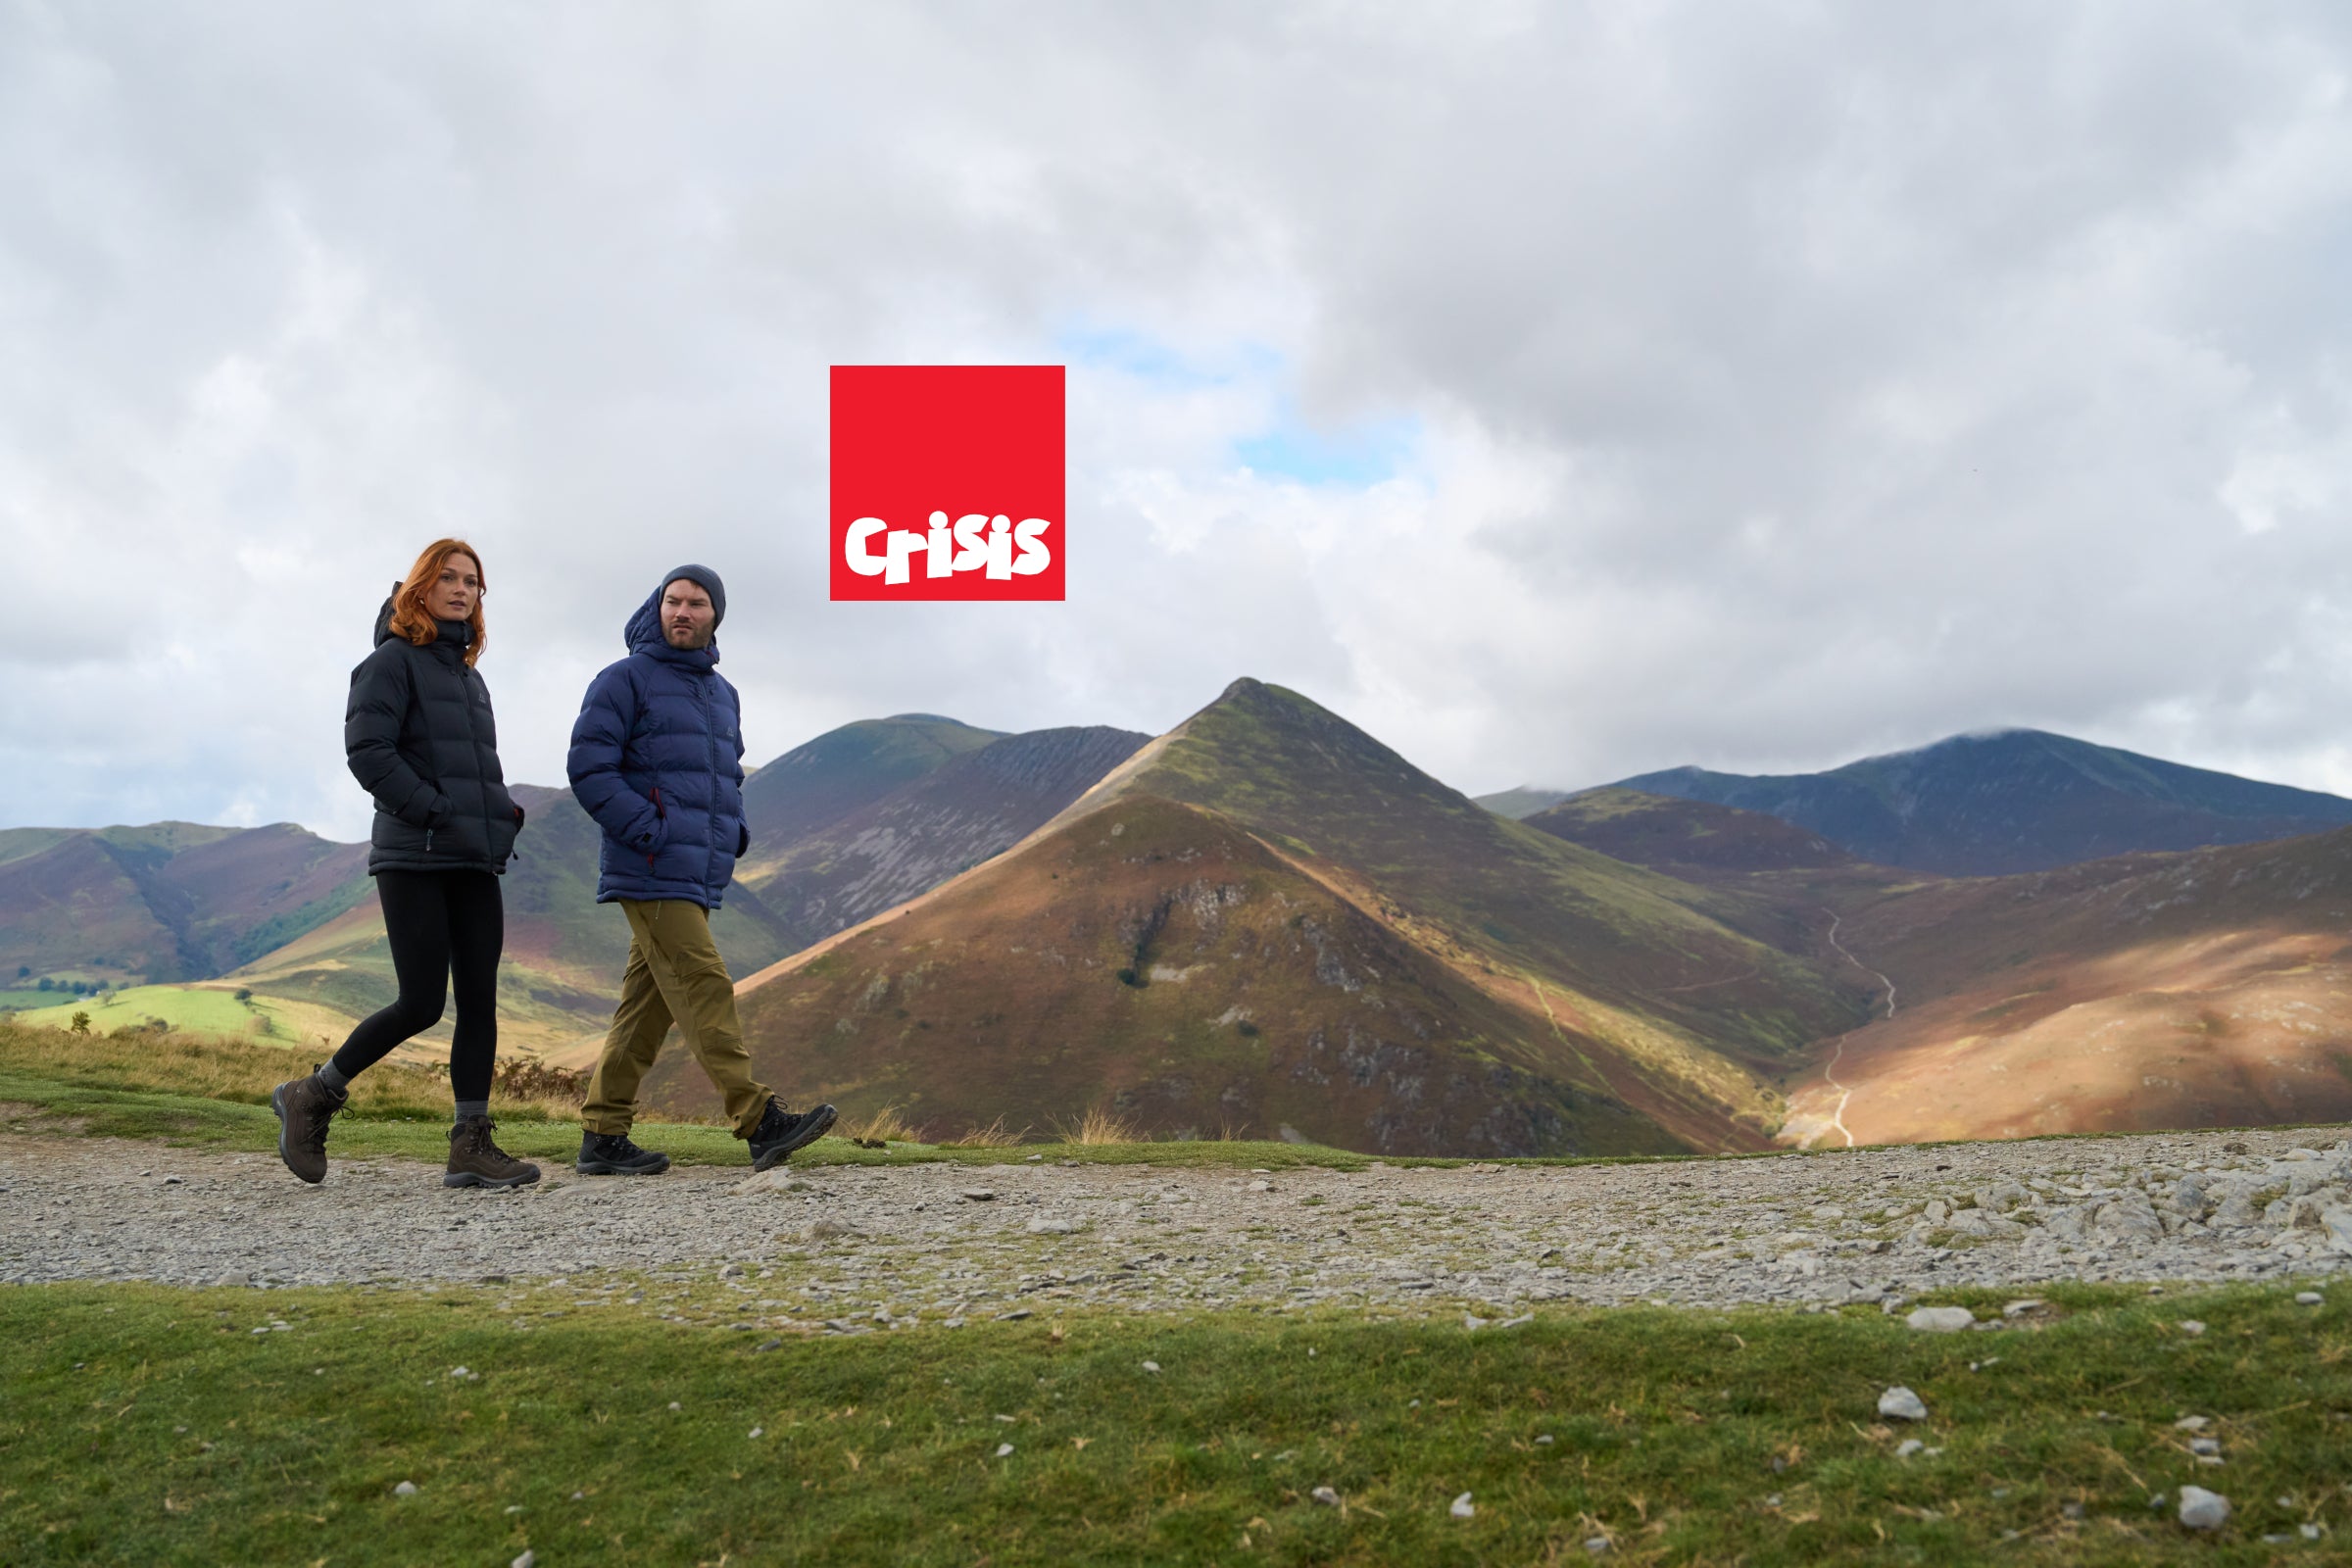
x,y
513,1507
2309,1298
1151,1366
2203,1510
527,1560
2193,1423
2032,1303
1544,1438
1326,1497
675,1405
407,1488
1907,1448
1901,1405
1461,1508
2190,1327
756,1430
1003,1450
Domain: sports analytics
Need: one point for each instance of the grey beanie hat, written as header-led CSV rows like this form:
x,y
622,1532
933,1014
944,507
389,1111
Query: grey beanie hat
x,y
709,582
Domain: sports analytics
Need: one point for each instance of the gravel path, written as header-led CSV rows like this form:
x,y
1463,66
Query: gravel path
x,y
851,1248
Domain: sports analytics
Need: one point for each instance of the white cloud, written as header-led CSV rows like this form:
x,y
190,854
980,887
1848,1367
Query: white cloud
x,y
1762,387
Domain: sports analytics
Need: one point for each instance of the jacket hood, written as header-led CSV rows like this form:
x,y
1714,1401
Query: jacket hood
x,y
644,636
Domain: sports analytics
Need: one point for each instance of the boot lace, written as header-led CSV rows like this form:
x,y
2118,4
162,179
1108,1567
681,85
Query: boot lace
x,y
313,1134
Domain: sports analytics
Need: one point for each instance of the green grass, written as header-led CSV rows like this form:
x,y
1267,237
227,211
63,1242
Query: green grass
x,y
180,1006
153,1425
200,1091
38,1104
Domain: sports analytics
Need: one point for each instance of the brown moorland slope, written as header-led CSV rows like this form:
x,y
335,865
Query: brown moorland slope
x,y
1556,918
171,901
976,804
1689,839
1618,983
2197,989
1158,962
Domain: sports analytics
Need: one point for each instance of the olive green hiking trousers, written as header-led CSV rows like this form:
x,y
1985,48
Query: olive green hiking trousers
x,y
675,974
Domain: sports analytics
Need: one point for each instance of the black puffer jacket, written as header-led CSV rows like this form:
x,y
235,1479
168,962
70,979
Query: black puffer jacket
x,y
419,738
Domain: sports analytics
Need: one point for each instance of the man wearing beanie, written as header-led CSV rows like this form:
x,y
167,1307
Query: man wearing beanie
x,y
656,759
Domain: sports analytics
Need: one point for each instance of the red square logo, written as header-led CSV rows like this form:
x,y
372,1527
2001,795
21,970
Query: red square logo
x,y
947,482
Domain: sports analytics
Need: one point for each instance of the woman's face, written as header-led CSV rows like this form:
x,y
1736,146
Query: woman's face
x,y
453,595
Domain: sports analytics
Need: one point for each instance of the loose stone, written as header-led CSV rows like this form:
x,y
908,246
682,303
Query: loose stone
x,y
2203,1510
1940,1319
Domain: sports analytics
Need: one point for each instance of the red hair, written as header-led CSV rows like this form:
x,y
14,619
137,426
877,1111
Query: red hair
x,y
411,619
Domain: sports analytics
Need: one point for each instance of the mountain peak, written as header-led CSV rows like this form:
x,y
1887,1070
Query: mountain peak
x,y
1989,802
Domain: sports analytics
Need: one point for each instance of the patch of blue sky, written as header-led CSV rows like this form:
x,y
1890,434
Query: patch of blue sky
x,y
1363,453
1101,346
1360,453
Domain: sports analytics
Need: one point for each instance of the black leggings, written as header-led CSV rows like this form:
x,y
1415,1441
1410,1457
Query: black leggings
x,y
443,926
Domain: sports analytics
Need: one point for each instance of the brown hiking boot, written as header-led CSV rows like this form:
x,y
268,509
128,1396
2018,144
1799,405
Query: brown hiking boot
x,y
475,1162
303,1107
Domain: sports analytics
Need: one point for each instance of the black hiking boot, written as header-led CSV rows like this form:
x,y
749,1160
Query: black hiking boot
x,y
613,1155
303,1107
475,1162
782,1131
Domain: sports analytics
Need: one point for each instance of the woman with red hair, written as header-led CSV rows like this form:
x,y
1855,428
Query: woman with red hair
x,y
419,738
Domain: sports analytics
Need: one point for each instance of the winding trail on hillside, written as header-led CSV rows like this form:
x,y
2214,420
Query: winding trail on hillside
x,y
1829,1070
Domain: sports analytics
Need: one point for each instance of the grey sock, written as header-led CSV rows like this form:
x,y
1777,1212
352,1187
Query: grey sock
x,y
473,1107
332,1076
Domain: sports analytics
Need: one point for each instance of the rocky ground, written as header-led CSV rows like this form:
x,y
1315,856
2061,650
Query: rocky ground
x,y
852,1249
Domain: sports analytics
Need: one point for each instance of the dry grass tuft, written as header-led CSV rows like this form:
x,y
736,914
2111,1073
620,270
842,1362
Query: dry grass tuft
x,y
881,1126
991,1136
240,1070
1100,1126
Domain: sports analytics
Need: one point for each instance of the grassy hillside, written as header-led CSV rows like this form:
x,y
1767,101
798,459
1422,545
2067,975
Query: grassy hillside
x,y
1581,1003
1522,803
821,781
974,805
2208,988
1683,838
1654,965
171,901
1156,962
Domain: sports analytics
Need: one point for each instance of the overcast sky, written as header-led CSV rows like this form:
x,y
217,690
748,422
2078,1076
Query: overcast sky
x,y
1558,391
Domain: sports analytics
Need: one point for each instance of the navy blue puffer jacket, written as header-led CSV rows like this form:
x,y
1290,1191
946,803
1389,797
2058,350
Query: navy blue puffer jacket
x,y
656,759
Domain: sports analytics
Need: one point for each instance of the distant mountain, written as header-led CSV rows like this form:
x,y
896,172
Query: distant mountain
x,y
296,918
974,805
1522,803
1689,839
171,901
1267,920
820,782
2015,800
